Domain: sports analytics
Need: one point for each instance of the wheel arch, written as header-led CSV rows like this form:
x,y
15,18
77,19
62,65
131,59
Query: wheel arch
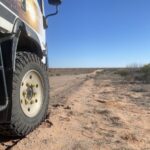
x,y
28,40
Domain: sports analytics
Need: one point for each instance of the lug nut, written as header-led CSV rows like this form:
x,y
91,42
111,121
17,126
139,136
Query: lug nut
x,y
26,102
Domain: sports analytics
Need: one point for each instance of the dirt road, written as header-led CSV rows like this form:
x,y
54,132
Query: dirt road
x,y
92,112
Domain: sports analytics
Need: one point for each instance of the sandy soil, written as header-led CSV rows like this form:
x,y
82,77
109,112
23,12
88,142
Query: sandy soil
x,y
92,112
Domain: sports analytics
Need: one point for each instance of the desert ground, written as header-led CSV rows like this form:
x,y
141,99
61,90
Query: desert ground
x,y
95,110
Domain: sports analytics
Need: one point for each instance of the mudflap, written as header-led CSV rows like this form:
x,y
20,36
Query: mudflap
x,y
4,116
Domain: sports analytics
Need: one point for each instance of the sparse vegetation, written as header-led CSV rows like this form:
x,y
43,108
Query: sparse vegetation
x,y
70,71
146,72
122,72
58,74
51,75
135,73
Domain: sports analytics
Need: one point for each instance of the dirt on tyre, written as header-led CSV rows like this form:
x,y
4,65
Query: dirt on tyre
x,y
30,95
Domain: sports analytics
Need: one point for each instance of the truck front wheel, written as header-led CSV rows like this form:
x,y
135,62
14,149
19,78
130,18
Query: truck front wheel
x,y
29,94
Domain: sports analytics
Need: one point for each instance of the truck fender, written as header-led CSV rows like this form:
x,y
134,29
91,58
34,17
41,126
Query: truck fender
x,y
21,28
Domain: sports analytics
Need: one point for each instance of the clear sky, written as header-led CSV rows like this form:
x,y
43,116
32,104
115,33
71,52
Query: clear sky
x,y
99,33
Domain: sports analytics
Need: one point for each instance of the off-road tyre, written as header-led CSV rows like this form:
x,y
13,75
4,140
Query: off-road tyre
x,y
20,124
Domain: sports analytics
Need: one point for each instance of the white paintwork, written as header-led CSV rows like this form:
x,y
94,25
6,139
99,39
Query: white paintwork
x,y
6,24
42,39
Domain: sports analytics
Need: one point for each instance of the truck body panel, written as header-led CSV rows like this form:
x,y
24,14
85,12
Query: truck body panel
x,y
27,11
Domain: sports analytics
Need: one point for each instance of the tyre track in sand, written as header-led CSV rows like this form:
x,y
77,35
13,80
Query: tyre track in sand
x,y
58,98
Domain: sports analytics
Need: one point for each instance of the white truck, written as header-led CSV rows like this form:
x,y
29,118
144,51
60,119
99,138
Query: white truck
x,y
24,84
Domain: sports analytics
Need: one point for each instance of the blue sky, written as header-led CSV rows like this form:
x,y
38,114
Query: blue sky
x,y
99,33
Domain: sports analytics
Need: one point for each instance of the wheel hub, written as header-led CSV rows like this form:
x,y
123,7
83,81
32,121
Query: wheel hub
x,y
31,93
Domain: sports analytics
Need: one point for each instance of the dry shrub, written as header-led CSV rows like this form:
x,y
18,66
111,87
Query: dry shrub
x,y
146,73
122,72
135,73
58,74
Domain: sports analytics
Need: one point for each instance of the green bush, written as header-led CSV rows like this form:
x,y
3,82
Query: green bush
x,y
146,72
146,69
51,75
58,74
122,72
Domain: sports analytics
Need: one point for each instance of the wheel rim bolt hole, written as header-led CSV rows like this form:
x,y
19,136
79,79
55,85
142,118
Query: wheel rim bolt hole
x,y
24,94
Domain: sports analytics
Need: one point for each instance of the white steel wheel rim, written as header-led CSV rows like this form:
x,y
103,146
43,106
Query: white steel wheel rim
x,y
31,93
